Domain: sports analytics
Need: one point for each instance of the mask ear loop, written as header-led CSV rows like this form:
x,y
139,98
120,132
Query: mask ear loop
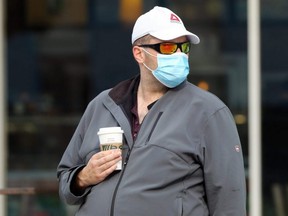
x,y
149,53
145,64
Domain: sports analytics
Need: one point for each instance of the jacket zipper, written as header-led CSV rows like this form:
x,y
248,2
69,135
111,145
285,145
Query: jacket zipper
x,y
119,181
126,162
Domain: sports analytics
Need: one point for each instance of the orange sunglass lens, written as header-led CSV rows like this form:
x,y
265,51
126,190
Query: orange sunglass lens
x,y
168,48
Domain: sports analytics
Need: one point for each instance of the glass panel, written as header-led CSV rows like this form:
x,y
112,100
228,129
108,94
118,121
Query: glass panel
x,y
62,53
48,59
275,106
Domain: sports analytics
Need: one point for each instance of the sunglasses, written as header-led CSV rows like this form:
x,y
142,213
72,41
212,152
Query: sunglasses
x,y
169,47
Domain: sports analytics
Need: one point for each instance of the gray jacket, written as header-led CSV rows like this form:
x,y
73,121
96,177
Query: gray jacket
x,y
186,160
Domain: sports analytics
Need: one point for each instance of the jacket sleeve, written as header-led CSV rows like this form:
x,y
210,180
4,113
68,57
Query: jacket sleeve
x,y
69,166
224,174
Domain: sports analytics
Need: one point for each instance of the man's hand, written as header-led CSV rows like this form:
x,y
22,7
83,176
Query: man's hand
x,y
98,168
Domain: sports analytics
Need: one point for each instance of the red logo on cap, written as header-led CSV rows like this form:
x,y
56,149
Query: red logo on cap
x,y
174,18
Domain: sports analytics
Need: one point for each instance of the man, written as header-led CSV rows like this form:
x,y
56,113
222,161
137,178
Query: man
x,y
181,155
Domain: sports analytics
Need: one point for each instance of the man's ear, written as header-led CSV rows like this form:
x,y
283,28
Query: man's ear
x,y
138,54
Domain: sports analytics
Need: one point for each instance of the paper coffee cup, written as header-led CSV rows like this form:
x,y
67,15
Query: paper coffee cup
x,y
111,138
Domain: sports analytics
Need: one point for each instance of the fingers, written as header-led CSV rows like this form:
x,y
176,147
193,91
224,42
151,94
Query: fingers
x,y
100,166
106,156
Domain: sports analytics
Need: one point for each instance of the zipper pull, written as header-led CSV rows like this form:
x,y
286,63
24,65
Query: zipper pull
x,y
127,157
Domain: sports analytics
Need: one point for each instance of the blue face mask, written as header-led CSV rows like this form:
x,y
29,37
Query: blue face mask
x,y
172,69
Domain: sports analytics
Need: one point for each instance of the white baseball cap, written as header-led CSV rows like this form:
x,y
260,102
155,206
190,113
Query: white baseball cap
x,y
163,24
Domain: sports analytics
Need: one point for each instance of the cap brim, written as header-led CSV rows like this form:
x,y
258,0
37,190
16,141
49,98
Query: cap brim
x,y
170,35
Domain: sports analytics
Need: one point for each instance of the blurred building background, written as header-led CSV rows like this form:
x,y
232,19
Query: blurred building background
x,y
59,54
